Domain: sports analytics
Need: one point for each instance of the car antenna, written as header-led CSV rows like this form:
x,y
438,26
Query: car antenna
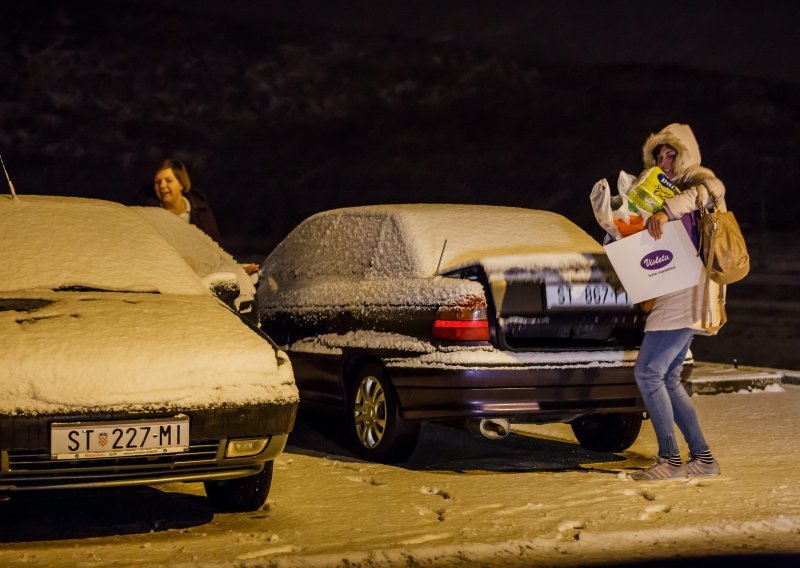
x,y
10,185
441,256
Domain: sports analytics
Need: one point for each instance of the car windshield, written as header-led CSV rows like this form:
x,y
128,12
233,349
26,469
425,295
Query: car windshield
x,y
60,243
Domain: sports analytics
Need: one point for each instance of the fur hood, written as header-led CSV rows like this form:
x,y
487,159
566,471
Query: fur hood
x,y
680,137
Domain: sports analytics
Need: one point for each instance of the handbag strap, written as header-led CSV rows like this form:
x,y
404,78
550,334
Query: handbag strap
x,y
701,206
706,308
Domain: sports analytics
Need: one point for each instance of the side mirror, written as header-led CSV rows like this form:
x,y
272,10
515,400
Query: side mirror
x,y
224,286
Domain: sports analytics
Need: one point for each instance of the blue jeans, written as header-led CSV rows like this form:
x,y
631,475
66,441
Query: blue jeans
x,y
658,375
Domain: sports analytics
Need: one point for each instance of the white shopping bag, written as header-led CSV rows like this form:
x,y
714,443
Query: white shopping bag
x,y
649,268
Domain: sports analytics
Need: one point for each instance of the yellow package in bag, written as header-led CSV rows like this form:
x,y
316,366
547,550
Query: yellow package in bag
x,y
651,189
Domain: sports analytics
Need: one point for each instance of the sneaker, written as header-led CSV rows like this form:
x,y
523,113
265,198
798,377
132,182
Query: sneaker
x,y
660,470
696,468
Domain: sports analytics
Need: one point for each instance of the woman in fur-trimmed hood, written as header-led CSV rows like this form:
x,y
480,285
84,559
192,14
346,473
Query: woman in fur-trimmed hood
x,y
684,168
677,317
675,150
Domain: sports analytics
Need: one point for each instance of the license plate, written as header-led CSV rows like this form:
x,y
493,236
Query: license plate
x,y
86,440
584,295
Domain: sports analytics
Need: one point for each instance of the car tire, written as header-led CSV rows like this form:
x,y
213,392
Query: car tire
x,y
376,429
242,494
607,432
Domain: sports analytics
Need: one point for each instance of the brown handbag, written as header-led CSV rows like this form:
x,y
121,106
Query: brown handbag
x,y
724,253
722,244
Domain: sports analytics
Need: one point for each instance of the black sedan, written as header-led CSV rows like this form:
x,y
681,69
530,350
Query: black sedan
x,y
469,315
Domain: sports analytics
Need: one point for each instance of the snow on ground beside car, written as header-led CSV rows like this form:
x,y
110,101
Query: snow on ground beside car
x,y
54,242
534,498
88,350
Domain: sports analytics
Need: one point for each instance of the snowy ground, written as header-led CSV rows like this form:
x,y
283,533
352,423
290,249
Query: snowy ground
x,y
533,498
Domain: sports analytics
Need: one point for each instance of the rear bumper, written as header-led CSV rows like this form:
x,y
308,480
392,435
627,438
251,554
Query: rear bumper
x,y
25,462
521,394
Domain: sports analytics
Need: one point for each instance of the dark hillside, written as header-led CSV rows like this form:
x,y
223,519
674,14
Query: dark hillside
x,y
278,123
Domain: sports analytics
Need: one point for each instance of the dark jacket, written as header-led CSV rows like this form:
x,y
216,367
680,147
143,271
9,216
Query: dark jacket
x,y
201,215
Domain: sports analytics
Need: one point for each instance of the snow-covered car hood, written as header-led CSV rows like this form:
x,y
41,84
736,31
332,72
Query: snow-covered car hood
x,y
89,351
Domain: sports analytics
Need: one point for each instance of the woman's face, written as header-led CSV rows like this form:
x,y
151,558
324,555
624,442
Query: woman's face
x,y
665,159
168,189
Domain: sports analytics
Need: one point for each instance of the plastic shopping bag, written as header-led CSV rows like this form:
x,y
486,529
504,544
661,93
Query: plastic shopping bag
x,y
617,214
601,204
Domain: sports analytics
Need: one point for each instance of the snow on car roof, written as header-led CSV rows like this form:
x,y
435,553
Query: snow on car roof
x,y
200,251
351,256
477,232
51,242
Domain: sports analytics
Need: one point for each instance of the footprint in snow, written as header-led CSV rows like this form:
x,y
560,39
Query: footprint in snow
x,y
649,496
435,491
362,479
654,511
570,529
702,482
425,511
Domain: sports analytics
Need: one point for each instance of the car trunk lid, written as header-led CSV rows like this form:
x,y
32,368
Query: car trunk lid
x,y
558,300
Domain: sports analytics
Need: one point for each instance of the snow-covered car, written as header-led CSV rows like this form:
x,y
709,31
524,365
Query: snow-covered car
x,y
118,366
465,314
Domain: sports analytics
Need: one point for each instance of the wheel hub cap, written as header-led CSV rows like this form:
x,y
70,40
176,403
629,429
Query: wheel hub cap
x,y
370,412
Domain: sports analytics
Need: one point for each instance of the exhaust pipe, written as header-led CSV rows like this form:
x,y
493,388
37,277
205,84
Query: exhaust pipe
x,y
494,428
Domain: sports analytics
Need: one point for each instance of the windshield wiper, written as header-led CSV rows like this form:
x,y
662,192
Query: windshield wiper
x,y
79,288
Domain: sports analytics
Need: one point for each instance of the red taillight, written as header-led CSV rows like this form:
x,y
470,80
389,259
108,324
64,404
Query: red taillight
x,y
461,324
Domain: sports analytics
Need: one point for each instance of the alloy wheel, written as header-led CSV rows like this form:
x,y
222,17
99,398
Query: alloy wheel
x,y
369,412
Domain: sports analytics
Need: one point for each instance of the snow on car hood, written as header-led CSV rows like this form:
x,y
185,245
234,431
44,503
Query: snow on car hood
x,y
84,351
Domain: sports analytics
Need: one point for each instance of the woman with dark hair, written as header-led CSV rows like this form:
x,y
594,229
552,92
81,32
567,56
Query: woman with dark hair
x,y
173,191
